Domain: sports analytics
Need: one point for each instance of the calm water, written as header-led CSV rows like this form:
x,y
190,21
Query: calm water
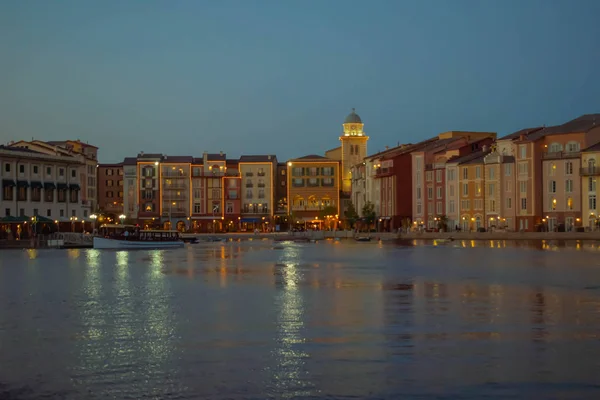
x,y
340,320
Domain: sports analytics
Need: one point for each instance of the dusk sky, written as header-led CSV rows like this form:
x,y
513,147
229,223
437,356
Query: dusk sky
x,y
279,77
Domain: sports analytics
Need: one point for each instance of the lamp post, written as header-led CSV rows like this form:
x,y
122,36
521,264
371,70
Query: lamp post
x,y
170,212
93,218
122,218
73,219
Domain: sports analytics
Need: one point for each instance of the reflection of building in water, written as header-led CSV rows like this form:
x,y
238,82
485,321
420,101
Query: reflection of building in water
x,y
290,378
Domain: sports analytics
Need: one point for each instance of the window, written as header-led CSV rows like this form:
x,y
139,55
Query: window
x,y
197,208
62,213
508,202
555,148
429,176
478,189
48,195
418,193
551,169
21,169
591,184
491,172
523,203
522,151
48,171
22,194
491,189
572,147
451,174
439,192
249,193
507,186
508,169
283,172
439,208
48,212
551,186
109,183
232,194
523,168
61,172
7,193
451,206
569,186
261,193
85,213
493,205
36,194
438,175
7,169
570,203
298,182
35,169
465,190
451,190
419,209
592,201
465,205
229,208
7,212
149,207
522,187
552,203
297,171
429,193
478,172
73,173
465,173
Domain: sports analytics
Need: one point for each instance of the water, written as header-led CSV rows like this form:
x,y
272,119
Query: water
x,y
327,320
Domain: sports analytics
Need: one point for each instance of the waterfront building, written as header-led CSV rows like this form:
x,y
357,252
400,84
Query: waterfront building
x,y
313,187
175,191
148,173
281,215
258,173
353,148
471,183
110,190
432,156
84,153
39,184
359,185
589,172
130,188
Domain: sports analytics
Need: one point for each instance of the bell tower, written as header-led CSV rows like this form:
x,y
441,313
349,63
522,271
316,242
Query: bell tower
x,y
354,147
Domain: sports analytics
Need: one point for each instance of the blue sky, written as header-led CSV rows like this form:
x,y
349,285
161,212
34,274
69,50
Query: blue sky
x,y
256,77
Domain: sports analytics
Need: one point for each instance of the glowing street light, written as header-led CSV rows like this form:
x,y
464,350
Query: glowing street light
x,y
122,218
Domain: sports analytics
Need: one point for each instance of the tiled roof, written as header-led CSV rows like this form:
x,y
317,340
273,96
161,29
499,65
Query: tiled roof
x,y
259,158
472,158
21,149
592,148
150,155
117,165
178,159
129,161
518,134
581,124
334,149
217,157
311,157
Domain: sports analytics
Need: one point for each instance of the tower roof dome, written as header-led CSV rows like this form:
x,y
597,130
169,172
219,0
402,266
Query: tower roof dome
x,y
353,118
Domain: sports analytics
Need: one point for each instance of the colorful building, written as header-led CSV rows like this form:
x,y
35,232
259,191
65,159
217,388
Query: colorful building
x,y
110,189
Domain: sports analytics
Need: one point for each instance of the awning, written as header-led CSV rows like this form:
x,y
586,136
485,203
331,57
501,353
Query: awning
x,y
251,219
8,183
74,186
13,219
62,186
23,184
36,185
49,186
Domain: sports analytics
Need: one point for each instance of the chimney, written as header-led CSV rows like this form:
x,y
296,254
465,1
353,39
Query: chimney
x,y
205,157
221,153
484,148
269,158
141,153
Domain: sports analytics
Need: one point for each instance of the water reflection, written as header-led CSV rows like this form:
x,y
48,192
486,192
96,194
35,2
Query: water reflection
x,y
328,319
290,377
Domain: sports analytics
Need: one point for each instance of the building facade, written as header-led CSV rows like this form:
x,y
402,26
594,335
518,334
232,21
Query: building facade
x,y
110,191
39,184
258,173
313,187
589,173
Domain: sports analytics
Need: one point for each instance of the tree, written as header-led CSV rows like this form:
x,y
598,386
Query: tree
x,y
368,212
350,214
442,223
329,210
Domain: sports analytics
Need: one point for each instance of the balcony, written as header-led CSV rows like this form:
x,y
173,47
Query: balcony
x,y
249,185
593,171
174,186
560,154
381,172
260,174
261,185
249,173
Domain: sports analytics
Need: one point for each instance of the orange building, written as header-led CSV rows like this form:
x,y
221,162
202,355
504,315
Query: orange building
x,y
110,189
471,186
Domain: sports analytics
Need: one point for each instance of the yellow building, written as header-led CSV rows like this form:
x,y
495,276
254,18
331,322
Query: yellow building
x,y
353,148
590,170
313,185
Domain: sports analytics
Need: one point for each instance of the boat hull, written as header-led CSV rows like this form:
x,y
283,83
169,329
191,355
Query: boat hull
x,y
105,243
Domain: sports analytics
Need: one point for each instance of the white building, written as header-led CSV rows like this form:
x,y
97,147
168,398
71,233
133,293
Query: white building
x,y
34,183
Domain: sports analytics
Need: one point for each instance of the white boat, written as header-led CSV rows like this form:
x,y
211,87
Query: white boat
x,y
136,239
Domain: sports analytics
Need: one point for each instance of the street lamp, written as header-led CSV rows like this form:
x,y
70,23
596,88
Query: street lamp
x,y
73,219
94,217
122,218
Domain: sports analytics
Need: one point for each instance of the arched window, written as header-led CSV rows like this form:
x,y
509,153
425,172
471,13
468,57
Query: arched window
x,y
555,147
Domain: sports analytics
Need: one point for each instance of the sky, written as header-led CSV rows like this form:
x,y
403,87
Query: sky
x,y
279,77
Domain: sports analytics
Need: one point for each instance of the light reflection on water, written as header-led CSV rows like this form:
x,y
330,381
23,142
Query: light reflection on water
x,y
247,320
